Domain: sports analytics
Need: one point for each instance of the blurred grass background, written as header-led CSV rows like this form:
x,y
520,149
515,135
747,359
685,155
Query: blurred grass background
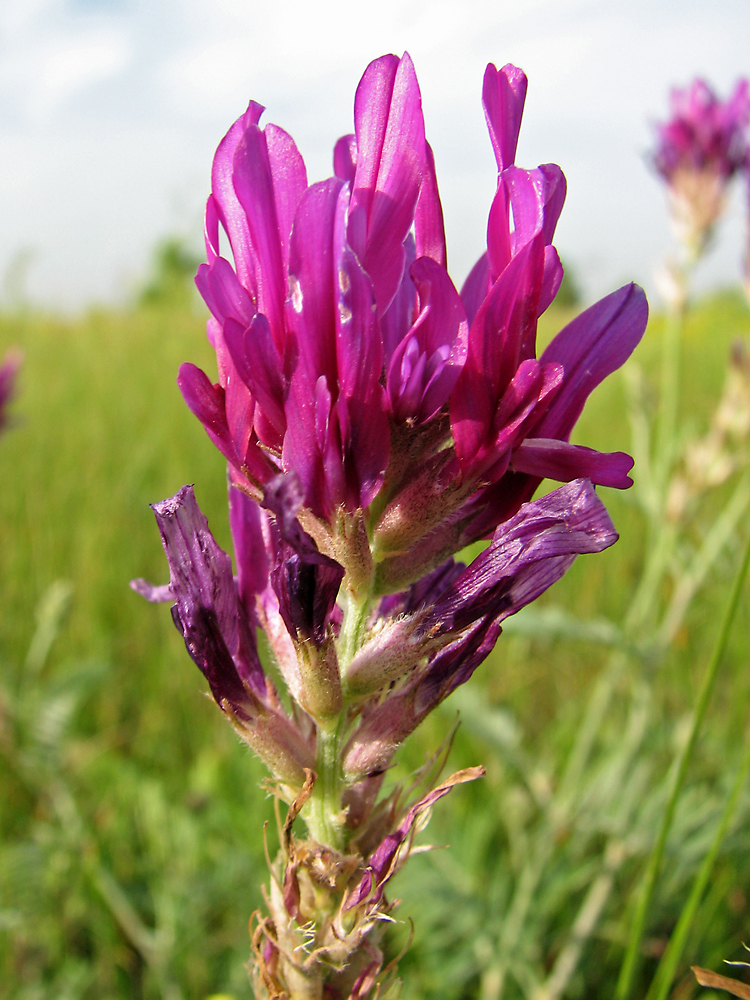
x,y
130,817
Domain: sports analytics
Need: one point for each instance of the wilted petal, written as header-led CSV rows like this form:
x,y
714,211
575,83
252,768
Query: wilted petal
x,y
568,521
383,860
207,608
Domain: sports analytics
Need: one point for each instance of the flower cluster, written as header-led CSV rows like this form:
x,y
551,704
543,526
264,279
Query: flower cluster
x,y
375,421
699,150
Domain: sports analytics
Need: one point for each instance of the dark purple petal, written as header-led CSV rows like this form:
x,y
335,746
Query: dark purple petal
x,y
594,345
503,97
546,458
306,582
424,592
207,610
568,521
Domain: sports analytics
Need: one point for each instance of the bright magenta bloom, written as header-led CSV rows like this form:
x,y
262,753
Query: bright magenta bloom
x,y
339,325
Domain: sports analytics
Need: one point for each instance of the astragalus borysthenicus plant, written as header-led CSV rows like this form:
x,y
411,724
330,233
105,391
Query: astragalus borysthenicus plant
x,y
375,421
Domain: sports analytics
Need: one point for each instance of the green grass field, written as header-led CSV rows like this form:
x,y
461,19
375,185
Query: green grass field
x,y
130,817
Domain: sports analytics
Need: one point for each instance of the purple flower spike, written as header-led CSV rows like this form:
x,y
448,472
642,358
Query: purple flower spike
x,y
698,152
704,132
374,422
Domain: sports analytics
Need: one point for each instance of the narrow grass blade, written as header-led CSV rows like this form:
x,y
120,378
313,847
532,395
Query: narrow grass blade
x,y
632,954
665,973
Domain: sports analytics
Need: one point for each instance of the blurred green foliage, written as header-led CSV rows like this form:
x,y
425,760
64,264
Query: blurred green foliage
x,y
131,852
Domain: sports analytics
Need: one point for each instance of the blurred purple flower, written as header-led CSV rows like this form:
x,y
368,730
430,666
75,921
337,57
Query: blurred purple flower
x,y
704,132
8,372
698,151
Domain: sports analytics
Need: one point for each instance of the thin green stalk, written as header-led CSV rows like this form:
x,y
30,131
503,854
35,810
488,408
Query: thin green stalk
x,y
665,972
669,394
632,955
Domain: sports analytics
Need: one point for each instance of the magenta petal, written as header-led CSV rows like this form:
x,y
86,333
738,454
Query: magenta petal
x,y
254,186
439,336
549,459
222,292
503,97
226,203
476,287
399,315
251,548
311,306
428,220
552,278
499,249
206,402
345,158
502,333
594,345
289,182
556,188
258,364
390,165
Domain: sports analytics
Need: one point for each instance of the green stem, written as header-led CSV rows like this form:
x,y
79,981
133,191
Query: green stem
x,y
669,394
671,958
635,937
324,816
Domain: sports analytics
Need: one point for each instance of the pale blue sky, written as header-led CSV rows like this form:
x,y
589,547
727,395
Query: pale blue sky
x,y
110,111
